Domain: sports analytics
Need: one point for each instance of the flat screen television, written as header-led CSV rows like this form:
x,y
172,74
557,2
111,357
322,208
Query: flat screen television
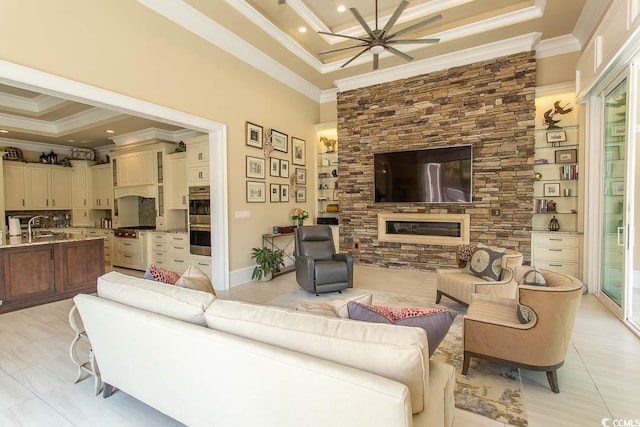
x,y
431,175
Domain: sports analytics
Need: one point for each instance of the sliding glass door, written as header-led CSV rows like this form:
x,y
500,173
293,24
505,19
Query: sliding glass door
x,y
613,237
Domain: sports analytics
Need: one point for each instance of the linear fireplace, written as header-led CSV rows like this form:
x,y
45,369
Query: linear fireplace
x,y
428,229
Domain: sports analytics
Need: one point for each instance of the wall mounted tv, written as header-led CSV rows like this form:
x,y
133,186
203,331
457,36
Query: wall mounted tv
x,y
432,175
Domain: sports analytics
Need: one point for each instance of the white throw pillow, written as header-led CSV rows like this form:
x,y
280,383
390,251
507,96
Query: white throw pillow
x,y
336,308
194,278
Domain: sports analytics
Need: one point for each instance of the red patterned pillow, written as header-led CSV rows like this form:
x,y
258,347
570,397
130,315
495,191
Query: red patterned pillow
x,y
435,321
160,274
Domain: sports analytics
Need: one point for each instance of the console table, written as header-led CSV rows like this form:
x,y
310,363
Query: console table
x,y
281,242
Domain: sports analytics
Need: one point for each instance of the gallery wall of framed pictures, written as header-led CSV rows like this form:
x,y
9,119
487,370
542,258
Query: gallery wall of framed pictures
x,y
272,151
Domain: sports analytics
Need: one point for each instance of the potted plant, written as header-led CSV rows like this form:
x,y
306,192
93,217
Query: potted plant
x,y
268,261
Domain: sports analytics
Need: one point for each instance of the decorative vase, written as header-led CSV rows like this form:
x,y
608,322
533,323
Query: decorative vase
x,y
554,225
300,222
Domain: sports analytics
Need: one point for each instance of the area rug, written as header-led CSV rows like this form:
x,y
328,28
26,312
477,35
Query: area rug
x,y
491,390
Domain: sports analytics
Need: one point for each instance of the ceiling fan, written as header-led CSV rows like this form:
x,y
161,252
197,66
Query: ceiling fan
x,y
380,40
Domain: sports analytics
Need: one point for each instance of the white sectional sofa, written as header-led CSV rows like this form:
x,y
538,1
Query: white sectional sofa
x,y
212,362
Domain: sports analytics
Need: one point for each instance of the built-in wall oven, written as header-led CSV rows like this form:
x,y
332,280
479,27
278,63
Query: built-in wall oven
x,y
200,220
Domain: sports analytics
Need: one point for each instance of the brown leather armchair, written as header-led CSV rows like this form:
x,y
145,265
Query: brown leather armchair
x,y
319,268
492,330
459,284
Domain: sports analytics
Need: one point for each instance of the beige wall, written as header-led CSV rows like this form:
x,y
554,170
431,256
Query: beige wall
x,y
122,46
556,69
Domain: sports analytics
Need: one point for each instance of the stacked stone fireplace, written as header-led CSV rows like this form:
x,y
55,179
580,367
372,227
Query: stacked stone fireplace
x,y
490,105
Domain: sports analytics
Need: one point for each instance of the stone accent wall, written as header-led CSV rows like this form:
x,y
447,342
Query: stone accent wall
x,y
488,104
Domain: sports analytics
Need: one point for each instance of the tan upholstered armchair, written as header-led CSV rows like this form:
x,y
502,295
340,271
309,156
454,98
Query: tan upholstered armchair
x,y
492,330
459,284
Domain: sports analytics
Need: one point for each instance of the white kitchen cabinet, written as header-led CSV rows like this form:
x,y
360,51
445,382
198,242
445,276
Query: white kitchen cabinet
x,y
135,168
176,185
101,194
48,187
203,263
557,252
179,252
80,184
14,186
60,188
198,160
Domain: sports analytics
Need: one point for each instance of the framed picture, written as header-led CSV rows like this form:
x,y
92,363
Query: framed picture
x,y
567,156
255,167
284,168
298,151
552,189
256,192
254,135
274,167
274,192
617,188
301,195
301,176
612,152
556,136
279,141
619,130
284,193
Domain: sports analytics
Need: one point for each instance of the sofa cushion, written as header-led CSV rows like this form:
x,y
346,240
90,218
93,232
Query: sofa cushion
x,y
486,263
194,278
178,303
335,308
400,354
435,321
160,274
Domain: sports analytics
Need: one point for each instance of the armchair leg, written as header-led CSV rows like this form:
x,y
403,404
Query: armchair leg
x,y
552,377
466,360
438,296
107,390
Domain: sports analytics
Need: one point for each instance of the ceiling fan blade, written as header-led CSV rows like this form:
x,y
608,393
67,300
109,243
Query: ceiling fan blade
x,y
341,35
363,23
400,54
375,61
349,61
401,7
344,48
413,41
431,20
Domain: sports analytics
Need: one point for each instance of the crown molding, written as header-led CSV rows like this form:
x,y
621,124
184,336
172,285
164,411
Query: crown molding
x,y
558,46
59,127
39,104
153,133
329,95
192,20
35,146
556,89
511,46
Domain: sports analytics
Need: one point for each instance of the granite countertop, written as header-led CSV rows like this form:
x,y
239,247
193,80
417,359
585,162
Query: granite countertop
x,y
17,241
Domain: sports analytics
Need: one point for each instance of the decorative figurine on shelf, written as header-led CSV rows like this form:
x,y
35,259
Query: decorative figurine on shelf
x,y
329,143
549,115
52,158
551,206
554,225
299,215
44,158
181,147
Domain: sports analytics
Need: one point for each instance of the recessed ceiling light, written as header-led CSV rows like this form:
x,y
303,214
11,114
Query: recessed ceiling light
x,y
302,29
341,8
110,131
4,131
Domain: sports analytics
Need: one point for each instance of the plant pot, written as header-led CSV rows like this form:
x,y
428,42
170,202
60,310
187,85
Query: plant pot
x,y
267,277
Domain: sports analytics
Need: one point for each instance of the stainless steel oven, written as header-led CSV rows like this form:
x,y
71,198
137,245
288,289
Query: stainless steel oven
x,y
200,220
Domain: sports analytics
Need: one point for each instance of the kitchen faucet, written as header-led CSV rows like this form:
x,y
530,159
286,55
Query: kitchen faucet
x,y
31,222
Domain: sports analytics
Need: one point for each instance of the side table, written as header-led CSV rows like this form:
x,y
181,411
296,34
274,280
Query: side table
x,y
89,365
274,242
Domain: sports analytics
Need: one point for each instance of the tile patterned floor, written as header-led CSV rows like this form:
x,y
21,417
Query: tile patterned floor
x,y
599,379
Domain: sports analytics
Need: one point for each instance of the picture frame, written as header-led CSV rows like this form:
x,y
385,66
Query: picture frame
x,y
279,141
274,193
556,136
619,130
254,135
284,192
255,167
611,152
301,195
567,156
298,151
551,189
301,176
284,168
256,192
274,166
617,188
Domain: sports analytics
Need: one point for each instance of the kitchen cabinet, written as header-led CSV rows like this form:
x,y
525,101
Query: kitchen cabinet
x,y
47,187
177,184
179,252
203,263
80,184
108,239
198,160
101,195
135,168
14,186
557,252
129,253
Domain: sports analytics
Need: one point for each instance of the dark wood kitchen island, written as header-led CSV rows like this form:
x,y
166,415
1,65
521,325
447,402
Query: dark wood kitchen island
x,y
38,271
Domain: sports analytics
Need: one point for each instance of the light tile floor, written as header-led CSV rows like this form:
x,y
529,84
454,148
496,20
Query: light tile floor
x,y
600,378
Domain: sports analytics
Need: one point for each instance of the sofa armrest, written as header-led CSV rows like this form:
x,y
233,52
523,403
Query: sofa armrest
x,y
349,260
451,270
493,300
